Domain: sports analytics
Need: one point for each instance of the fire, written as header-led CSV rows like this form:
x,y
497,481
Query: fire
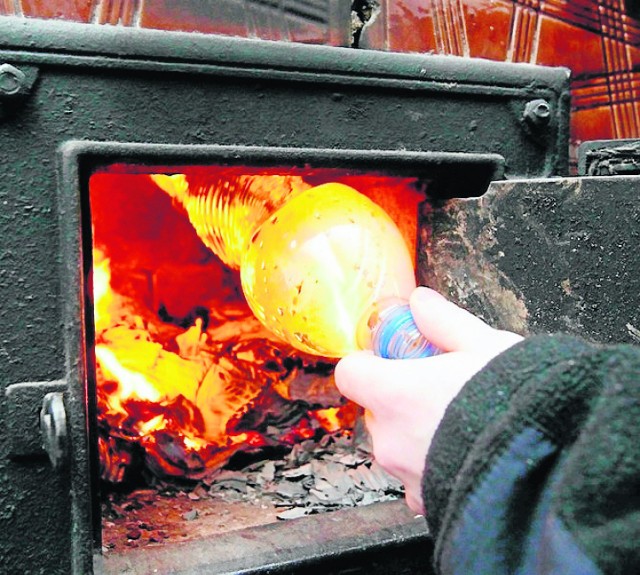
x,y
138,377
102,296
330,418
132,384
186,375
158,422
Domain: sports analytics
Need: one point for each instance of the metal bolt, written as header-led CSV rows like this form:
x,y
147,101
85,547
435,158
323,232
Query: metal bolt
x,y
537,112
53,427
12,80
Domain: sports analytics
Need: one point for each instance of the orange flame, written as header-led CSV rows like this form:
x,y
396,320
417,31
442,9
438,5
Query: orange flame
x,y
102,297
191,392
180,393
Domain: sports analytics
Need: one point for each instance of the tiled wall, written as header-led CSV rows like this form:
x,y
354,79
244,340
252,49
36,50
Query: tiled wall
x,y
314,21
598,39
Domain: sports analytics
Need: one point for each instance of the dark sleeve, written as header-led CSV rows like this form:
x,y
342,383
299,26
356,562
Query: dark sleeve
x,y
535,467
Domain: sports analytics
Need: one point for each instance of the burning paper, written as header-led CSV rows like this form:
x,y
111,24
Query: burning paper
x,y
181,394
186,376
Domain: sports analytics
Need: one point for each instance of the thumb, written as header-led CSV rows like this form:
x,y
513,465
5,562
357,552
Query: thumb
x,y
452,328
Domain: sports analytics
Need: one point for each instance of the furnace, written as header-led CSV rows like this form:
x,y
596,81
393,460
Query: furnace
x,y
205,421
97,257
188,381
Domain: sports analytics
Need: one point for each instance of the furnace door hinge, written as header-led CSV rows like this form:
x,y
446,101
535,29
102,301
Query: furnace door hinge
x,y
36,421
16,83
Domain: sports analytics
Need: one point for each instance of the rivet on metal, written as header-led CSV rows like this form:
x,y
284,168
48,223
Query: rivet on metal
x,y
53,427
12,80
537,112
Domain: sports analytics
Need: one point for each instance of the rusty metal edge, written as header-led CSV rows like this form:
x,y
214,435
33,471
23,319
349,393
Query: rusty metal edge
x,y
294,546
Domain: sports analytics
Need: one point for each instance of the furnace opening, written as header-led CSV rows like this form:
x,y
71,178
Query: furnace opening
x,y
207,421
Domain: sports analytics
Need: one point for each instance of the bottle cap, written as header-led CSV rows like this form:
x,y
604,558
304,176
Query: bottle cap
x,y
396,335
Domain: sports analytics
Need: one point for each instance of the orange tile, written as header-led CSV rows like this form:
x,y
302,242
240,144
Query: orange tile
x,y
592,124
74,10
561,44
411,26
487,25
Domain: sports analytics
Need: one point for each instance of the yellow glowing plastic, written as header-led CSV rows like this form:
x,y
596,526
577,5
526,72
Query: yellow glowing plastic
x,y
318,264
226,210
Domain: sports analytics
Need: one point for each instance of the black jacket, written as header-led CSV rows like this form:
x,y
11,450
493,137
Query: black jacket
x,y
536,466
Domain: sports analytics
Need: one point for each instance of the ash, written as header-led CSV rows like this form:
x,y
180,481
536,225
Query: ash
x,y
313,478
317,476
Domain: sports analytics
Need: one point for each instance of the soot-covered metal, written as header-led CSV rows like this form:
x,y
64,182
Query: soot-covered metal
x,y
73,97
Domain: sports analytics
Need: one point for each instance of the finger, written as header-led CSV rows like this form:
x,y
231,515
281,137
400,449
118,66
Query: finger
x,y
446,325
376,383
356,376
390,451
388,385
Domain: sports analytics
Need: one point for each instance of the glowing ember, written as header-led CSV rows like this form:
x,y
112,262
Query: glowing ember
x,y
332,418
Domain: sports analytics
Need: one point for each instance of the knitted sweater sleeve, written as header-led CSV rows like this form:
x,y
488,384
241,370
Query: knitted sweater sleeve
x,y
535,467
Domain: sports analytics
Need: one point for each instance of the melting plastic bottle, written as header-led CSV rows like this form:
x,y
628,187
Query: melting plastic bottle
x,y
226,210
329,272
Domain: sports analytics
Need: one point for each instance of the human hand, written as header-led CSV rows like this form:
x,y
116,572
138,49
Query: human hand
x,y
405,400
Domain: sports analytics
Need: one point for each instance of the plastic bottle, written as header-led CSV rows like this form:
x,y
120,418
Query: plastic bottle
x,y
327,270
226,210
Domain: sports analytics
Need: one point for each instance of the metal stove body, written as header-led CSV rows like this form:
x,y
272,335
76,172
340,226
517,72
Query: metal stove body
x,y
73,98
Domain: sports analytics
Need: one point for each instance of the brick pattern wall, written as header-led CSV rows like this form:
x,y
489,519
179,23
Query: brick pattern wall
x,y
312,21
599,40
